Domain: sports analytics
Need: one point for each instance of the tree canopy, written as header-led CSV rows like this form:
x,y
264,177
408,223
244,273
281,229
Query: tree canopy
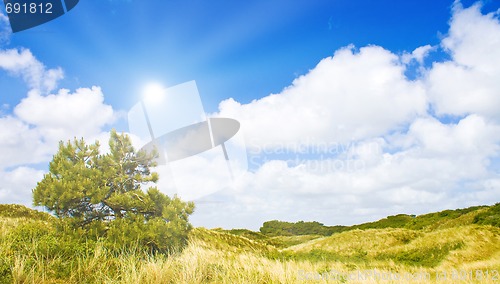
x,y
103,192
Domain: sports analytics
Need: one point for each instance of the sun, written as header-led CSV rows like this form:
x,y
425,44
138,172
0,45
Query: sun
x,y
153,92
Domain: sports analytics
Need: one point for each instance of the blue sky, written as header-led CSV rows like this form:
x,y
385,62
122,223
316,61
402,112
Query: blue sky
x,y
407,89
241,49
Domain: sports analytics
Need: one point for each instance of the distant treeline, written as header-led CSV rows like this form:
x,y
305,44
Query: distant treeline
x,y
280,228
484,215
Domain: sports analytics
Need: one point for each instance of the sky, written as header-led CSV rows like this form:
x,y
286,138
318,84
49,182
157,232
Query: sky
x,y
349,110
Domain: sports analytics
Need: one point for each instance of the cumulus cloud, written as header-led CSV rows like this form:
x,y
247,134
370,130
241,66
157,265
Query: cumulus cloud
x,y
436,166
40,122
66,115
404,182
19,143
418,54
22,63
30,134
471,136
355,94
16,185
399,150
469,82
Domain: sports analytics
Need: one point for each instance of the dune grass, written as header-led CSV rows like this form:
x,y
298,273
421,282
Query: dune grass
x,y
450,253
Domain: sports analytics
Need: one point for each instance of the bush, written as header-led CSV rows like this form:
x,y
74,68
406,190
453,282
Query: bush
x,y
155,235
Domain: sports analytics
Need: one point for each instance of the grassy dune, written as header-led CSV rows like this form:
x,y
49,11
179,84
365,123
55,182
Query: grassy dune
x,y
469,244
29,253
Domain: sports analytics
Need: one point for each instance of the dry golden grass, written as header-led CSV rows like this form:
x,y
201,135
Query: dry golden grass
x,y
198,264
352,242
217,257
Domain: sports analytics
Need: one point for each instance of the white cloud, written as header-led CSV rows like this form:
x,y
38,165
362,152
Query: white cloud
x,y
396,157
66,115
30,135
350,96
436,166
418,54
20,144
5,30
471,136
469,82
21,62
16,185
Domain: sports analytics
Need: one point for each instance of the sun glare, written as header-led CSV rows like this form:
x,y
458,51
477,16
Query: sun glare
x,y
153,92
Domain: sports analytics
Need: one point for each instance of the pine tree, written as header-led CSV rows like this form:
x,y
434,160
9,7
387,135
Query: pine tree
x,y
92,191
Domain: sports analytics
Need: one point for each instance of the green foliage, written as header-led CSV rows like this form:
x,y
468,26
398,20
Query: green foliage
x,y
489,217
87,186
101,196
426,221
45,238
20,211
432,219
152,231
396,221
280,228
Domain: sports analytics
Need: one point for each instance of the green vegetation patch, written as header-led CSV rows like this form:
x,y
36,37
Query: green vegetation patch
x,y
20,211
288,241
489,217
396,221
280,228
432,220
319,255
424,256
